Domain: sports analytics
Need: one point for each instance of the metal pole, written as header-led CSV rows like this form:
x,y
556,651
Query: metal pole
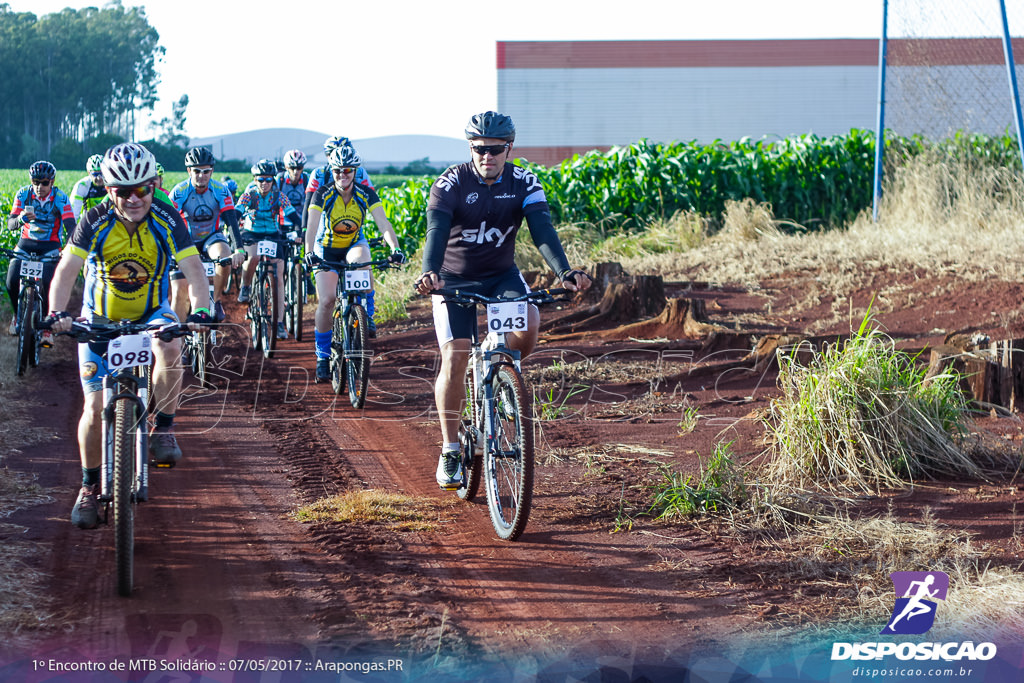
x,y
880,125
1011,70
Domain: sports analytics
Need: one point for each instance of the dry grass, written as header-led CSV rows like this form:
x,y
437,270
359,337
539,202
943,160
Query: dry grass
x,y
397,511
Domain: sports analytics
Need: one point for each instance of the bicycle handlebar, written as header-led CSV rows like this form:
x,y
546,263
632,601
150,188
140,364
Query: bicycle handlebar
x,y
85,332
380,263
540,296
13,253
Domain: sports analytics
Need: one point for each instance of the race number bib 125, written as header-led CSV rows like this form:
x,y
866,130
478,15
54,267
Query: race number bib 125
x,y
266,248
357,280
507,316
129,350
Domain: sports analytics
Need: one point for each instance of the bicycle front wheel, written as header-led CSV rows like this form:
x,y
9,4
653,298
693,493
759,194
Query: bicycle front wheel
x,y
124,456
268,312
294,297
508,466
198,356
27,331
357,354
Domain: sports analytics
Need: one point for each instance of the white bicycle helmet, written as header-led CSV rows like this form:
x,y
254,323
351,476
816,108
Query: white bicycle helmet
x,y
128,164
294,158
343,156
93,164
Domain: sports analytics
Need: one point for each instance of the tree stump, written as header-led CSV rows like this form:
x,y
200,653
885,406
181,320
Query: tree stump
x,y
632,298
991,372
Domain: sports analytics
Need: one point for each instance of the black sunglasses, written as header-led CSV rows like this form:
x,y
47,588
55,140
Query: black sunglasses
x,y
41,183
493,150
139,191
265,179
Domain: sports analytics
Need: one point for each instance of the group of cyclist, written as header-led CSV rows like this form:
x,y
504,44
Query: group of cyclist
x,y
141,252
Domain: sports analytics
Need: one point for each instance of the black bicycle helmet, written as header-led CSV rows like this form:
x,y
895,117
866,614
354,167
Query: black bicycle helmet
x,y
42,170
199,156
264,167
491,124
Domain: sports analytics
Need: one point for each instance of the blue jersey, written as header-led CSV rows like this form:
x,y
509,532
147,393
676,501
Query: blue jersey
x,y
265,214
202,211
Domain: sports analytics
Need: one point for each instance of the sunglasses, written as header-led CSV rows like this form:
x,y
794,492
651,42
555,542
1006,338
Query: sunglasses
x,y
295,168
139,191
265,179
201,171
41,183
343,171
493,150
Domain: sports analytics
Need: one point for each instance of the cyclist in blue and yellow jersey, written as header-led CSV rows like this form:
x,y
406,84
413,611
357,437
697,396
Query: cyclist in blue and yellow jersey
x,y
474,212
322,175
264,211
339,211
207,207
127,245
42,217
88,191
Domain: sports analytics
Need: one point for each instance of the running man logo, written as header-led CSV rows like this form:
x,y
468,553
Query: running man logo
x,y
914,612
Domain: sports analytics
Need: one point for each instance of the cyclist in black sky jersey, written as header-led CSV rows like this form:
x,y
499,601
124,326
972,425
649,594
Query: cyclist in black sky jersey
x,y
473,214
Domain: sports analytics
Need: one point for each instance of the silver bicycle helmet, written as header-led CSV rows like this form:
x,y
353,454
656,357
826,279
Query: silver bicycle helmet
x,y
128,164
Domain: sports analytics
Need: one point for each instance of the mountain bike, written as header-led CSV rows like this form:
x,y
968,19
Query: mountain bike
x,y
30,307
195,347
263,303
124,470
350,336
496,433
294,287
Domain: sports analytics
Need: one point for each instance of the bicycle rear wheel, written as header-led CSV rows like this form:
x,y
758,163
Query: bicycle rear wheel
x,y
470,439
508,463
124,457
357,354
268,312
27,331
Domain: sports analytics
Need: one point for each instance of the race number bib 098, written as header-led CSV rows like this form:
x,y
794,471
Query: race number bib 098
x,y
357,280
129,350
266,248
32,269
508,316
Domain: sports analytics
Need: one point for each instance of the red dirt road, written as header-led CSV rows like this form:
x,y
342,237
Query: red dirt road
x,y
226,579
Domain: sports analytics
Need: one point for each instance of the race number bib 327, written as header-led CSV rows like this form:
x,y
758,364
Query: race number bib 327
x,y
32,269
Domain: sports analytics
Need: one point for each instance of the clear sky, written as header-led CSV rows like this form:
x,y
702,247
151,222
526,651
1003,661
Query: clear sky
x,y
390,67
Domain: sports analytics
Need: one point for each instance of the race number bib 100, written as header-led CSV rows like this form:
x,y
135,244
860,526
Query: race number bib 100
x,y
507,317
32,269
357,280
266,248
129,350
210,268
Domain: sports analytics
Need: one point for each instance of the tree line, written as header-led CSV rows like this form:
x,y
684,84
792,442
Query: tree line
x,y
73,81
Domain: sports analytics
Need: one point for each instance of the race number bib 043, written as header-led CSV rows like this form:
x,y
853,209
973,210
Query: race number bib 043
x,y
32,269
357,280
507,317
266,248
129,350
